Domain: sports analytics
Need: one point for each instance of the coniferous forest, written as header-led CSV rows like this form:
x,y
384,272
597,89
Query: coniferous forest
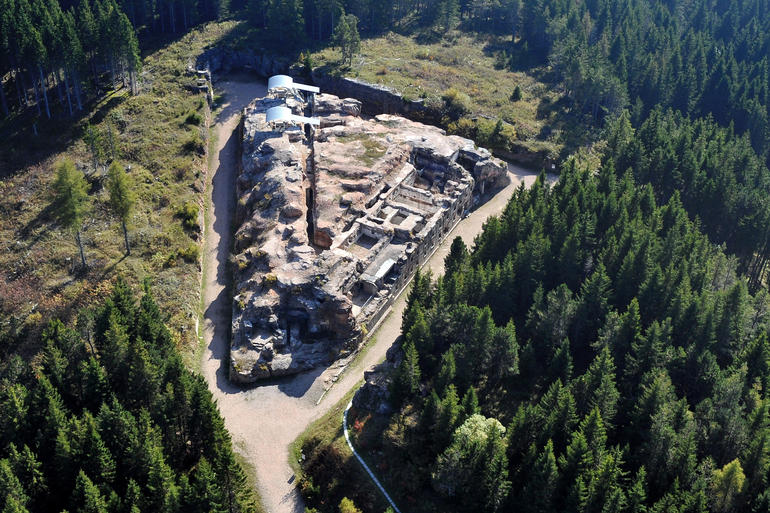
x,y
602,347
107,418
594,352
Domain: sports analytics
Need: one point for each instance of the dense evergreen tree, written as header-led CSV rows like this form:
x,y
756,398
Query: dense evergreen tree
x,y
46,52
89,428
346,36
122,197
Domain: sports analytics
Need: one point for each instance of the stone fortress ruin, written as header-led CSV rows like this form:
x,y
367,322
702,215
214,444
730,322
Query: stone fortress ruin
x,y
335,214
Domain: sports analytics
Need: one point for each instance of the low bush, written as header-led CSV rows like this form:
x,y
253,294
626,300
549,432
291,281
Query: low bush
x,y
189,214
193,118
190,254
194,145
456,103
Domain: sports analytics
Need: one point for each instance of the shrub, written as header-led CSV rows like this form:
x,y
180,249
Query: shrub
x,y
347,506
424,54
306,61
180,167
516,94
495,134
193,118
194,145
456,103
190,254
434,103
464,127
189,214
502,59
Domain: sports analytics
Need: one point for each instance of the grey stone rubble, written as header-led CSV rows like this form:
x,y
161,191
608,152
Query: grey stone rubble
x,y
332,224
374,394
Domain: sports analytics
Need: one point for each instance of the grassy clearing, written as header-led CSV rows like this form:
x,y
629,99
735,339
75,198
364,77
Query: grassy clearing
x,y
162,135
467,63
327,429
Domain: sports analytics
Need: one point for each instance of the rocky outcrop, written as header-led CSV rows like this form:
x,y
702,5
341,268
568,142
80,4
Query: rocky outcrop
x,y
374,394
333,222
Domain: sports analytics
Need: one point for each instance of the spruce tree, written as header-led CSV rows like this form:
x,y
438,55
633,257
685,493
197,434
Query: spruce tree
x,y
540,490
407,378
122,197
71,202
347,38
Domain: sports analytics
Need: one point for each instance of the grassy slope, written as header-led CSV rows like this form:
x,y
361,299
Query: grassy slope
x,y
328,431
167,158
467,62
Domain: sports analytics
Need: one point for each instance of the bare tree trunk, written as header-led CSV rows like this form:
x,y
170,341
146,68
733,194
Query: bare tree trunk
x,y
76,87
94,73
125,238
112,71
37,96
57,83
24,89
17,81
171,15
3,101
80,247
184,17
45,92
67,88
123,77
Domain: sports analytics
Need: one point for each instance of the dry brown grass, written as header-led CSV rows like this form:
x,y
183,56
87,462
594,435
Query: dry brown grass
x,y
166,152
467,63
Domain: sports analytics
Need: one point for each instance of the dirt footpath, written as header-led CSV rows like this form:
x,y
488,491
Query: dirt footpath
x,y
265,419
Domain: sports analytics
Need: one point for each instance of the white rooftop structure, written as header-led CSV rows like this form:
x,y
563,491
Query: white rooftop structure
x,y
283,84
284,115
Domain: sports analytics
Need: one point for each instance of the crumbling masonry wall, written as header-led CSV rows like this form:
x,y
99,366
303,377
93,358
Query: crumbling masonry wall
x,y
333,223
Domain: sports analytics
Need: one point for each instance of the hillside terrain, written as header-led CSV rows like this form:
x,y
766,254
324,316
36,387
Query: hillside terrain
x,y
600,346
162,135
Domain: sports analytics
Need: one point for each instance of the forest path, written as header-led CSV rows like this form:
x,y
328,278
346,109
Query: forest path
x,y
263,420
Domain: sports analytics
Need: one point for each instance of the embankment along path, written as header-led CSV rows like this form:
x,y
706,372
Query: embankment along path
x,y
265,419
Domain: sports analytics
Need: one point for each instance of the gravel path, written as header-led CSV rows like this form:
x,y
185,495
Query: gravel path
x,y
265,419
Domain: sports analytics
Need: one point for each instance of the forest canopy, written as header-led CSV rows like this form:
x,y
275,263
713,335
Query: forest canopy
x,y
108,419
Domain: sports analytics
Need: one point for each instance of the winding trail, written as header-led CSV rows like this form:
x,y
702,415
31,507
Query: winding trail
x,y
362,462
265,419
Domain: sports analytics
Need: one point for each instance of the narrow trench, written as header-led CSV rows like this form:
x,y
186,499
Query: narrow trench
x,y
311,174
309,201
310,193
